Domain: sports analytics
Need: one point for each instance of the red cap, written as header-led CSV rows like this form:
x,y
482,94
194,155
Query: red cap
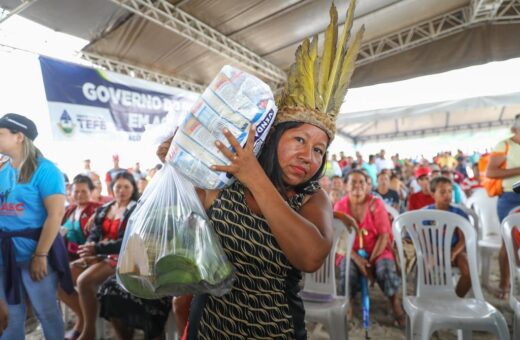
x,y
422,171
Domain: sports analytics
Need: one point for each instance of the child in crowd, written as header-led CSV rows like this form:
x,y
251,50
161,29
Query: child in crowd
x,y
422,198
442,190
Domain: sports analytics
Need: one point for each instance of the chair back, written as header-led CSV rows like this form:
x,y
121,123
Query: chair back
x,y
486,209
508,224
323,281
473,216
391,211
431,232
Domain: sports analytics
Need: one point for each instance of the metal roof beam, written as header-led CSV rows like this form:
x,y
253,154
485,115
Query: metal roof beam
x,y
6,14
141,73
435,130
170,17
483,10
497,11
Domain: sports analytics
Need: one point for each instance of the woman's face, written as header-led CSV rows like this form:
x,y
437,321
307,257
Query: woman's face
x,y
123,190
357,185
81,193
300,153
9,141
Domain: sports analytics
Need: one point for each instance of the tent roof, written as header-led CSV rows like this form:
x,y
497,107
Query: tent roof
x,y
193,39
414,121
190,40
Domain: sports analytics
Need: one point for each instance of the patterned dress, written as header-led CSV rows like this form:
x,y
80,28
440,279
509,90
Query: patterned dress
x,y
263,302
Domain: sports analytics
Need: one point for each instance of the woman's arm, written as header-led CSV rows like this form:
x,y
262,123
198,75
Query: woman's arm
x,y
382,223
55,206
494,171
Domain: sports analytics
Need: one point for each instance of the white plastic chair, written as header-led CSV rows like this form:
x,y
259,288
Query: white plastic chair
x,y
510,222
489,240
392,211
320,300
435,305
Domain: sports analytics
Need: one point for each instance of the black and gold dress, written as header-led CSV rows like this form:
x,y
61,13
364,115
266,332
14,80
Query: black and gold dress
x,y
263,302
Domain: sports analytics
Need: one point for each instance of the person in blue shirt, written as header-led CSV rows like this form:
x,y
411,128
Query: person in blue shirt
x,y
33,256
442,190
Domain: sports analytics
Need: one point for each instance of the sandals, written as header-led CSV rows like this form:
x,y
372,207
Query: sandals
x,y
72,334
502,293
400,321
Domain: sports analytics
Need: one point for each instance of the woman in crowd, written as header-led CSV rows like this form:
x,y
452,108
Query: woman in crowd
x,y
508,152
98,256
78,214
33,194
369,213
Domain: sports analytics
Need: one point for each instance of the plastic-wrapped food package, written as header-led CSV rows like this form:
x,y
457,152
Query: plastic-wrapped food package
x,y
233,100
169,247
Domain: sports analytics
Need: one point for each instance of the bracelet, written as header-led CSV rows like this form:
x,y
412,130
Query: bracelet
x,y
39,255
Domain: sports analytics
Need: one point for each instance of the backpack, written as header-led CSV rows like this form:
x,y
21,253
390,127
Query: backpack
x,y
493,186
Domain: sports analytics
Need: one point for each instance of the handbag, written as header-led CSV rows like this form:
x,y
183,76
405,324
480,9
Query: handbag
x,y
493,186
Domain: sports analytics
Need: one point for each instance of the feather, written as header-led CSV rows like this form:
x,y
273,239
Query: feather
x,y
329,51
304,67
347,69
328,98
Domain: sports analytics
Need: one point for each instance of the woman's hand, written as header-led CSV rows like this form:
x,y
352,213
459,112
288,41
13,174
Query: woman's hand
x,y
38,269
162,150
4,316
244,164
87,249
348,221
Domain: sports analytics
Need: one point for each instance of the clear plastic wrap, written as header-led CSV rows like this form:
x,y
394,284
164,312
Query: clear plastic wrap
x,y
233,100
169,247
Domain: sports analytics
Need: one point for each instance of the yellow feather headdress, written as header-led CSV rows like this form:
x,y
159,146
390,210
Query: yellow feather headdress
x,y
316,86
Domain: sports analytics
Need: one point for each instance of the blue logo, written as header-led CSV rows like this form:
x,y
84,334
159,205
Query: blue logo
x,y
66,124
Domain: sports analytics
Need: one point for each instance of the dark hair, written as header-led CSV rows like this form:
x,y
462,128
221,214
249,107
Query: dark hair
x,y
269,159
82,179
439,180
356,171
129,177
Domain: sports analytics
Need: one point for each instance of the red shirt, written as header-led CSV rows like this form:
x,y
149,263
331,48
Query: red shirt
x,y
375,221
419,200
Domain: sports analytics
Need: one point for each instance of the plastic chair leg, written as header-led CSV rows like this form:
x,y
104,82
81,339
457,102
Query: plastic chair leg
x,y
516,326
485,261
464,334
171,328
338,328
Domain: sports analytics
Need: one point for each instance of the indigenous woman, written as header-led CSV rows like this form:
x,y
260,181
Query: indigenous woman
x,y
33,257
274,221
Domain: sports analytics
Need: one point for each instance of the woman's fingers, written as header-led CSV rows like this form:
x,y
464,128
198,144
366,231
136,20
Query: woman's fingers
x,y
251,139
233,141
225,151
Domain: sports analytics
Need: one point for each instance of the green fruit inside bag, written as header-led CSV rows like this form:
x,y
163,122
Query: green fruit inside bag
x,y
170,247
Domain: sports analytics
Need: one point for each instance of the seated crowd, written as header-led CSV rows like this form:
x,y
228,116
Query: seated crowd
x,y
93,227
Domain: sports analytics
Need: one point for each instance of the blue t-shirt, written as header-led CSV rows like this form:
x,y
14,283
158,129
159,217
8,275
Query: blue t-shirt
x,y
21,204
457,211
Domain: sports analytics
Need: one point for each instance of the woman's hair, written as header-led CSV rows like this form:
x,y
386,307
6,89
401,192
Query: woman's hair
x,y
129,177
29,162
269,159
82,179
356,171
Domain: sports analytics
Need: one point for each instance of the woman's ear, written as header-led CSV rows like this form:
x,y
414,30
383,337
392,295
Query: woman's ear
x,y
19,138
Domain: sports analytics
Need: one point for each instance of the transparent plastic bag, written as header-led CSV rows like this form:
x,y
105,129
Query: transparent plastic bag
x,y
170,247
234,100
